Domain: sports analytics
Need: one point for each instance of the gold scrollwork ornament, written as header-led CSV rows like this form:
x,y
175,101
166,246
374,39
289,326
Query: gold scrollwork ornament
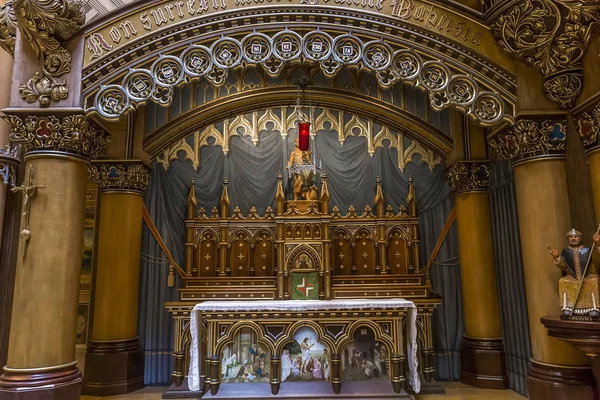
x,y
552,36
45,24
8,27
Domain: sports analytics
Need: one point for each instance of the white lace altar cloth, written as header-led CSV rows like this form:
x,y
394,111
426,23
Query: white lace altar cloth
x,y
303,306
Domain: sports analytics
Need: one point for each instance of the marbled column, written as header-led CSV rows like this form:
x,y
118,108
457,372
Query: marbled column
x,y
114,361
41,354
483,361
536,146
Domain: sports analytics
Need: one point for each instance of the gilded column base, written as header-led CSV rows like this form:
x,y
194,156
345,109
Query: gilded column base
x,y
62,382
113,367
483,363
560,382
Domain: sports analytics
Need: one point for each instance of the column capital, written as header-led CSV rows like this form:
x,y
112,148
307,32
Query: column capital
x,y
120,175
549,35
468,176
9,161
588,126
70,134
530,138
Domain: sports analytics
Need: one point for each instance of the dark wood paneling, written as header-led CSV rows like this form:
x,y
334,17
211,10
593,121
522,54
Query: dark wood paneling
x,y
547,382
483,363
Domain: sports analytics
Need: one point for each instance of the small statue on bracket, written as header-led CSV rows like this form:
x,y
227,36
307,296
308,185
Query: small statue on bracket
x,y
579,289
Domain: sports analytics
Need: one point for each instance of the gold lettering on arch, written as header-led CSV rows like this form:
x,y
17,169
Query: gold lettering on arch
x,y
145,21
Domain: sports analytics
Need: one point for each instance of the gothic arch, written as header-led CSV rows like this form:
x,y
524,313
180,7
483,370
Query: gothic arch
x,y
394,51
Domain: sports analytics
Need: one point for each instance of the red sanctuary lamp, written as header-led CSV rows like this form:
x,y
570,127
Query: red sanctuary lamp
x,y
304,135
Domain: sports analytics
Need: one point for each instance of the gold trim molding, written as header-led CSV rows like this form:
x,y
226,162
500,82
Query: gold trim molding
x,y
242,126
72,135
530,139
552,36
468,176
120,175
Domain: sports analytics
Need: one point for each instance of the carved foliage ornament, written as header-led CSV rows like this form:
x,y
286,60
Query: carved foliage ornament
x,y
446,85
45,24
589,127
8,27
120,175
468,176
552,36
530,139
72,134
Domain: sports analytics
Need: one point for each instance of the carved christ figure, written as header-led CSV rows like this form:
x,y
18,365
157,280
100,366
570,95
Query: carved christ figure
x,y
573,260
302,178
299,157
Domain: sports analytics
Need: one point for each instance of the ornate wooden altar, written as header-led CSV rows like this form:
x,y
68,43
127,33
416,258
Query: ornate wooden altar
x,y
373,254
214,325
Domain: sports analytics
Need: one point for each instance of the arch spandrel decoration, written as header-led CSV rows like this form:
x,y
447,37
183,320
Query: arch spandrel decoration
x,y
452,75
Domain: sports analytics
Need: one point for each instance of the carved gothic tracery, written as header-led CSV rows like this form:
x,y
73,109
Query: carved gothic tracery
x,y
529,139
552,36
70,134
281,121
45,24
446,85
468,176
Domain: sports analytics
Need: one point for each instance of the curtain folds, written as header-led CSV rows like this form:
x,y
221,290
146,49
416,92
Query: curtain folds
x,y
252,174
509,273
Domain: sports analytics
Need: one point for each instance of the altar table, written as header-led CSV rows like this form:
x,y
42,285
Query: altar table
x,y
214,323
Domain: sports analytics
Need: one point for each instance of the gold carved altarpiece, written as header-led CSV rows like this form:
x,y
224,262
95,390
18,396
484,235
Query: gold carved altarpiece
x,y
373,254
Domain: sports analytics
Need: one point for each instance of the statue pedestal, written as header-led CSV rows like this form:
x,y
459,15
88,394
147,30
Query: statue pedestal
x,y
584,335
302,205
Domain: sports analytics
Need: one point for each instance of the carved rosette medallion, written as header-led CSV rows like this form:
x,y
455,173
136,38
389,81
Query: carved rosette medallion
x,y
530,139
120,175
45,24
73,135
552,36
468,176
9,161
588,125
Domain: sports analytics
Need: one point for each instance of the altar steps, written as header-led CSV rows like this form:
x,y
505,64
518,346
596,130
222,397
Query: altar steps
x,y
353,390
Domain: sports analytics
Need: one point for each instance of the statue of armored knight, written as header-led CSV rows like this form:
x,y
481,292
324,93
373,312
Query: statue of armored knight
x,y
579,294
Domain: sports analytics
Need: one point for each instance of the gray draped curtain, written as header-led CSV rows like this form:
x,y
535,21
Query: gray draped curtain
x,y
252,175
509,273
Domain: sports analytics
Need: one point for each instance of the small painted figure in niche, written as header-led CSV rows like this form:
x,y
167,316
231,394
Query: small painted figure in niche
x,y
305,347
326,365
317,372
573,261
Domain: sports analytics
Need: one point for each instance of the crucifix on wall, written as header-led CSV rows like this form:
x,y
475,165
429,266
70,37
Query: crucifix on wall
x,y
27,189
